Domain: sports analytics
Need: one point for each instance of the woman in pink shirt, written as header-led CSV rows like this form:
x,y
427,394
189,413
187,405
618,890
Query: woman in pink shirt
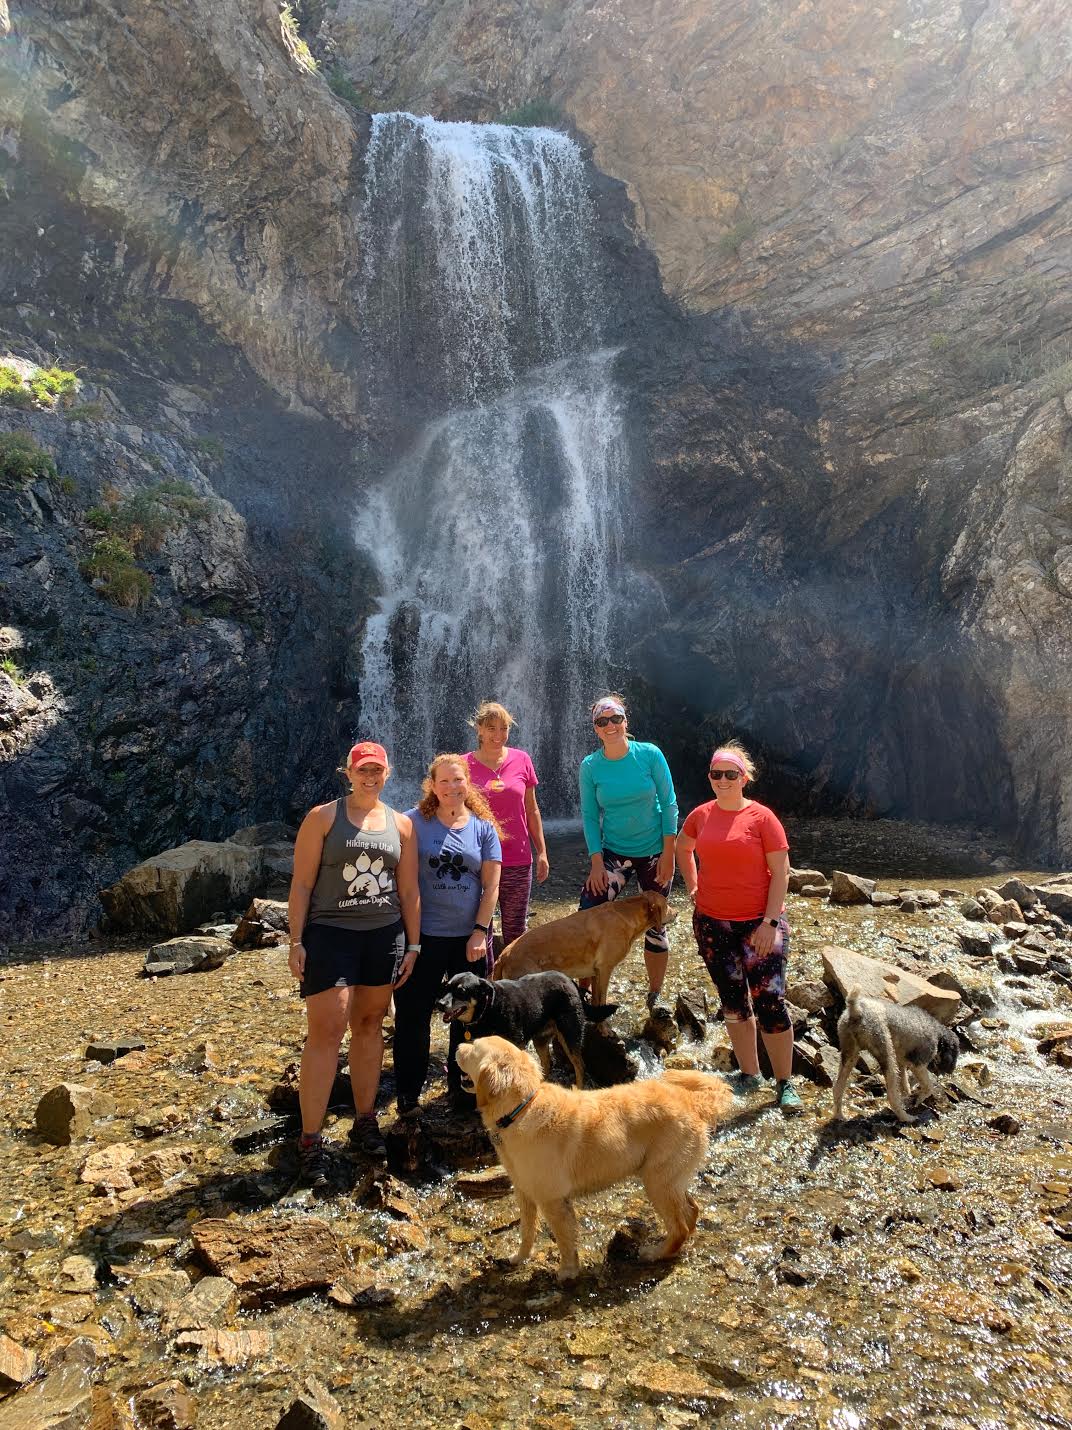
x,y
508,781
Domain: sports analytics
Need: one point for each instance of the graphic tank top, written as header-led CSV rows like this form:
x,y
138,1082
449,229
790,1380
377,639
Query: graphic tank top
x,y
355,888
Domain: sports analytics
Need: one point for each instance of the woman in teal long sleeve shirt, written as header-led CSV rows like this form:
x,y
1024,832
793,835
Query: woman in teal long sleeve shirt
x,y
629,810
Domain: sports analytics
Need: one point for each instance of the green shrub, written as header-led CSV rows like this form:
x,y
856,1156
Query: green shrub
x,y
143,520
535,114
340,83
68,486
11,668
111,568
22,460
12,391
211,447
52,384
302,53
87,412
730,242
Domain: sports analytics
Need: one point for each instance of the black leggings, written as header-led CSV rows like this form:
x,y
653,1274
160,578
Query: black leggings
x,y
439,959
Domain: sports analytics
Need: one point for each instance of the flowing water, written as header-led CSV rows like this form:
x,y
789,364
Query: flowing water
x,y
496,538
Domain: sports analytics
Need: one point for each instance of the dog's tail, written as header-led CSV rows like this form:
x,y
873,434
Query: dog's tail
x,y
600,1012
714,1097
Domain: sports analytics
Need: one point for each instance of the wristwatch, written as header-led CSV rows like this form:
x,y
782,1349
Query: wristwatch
x,y
413,948
773,922
484,928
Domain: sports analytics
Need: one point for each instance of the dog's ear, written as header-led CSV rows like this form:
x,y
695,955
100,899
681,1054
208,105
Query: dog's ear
x,y
493,1076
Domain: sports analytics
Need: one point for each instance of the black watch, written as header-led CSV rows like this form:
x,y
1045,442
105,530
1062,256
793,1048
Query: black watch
x,y
773,922
484,928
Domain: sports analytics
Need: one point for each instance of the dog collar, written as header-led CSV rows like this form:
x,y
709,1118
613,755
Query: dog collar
x,y
467,1035
518,1110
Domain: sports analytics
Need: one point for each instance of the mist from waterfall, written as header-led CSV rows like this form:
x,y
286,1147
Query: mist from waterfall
x,y
496,538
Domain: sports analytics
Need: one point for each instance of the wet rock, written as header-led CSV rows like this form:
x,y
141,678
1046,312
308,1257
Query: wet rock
x,y
691,1013
406,1236
106,1050
843,968
1057,1047
606,1058
63,1400
810,994
283,1097
67,1112
909,906
315,1409
665,1381
387,1193
78,1274
1016,889
357,1290
978,943
265,924
166,1406
881,900
270,1257
175,891
1056,898
212,1300
660,1029
818,1062
972,909
965,1308
193,953
1025,960
1004,912
1037,943
1005,1123
989,898
1014,930
942,1178
815,891
850,888
228,1348
153,1292
17,1365
109,1167
800,879
491,1182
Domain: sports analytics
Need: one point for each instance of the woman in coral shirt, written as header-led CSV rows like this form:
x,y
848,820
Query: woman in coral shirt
x,y
739,916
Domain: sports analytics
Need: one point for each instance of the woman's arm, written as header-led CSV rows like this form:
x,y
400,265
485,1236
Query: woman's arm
x,y
534,821
308,848
686,862
409,896
477,947
664,788
778,863
596,883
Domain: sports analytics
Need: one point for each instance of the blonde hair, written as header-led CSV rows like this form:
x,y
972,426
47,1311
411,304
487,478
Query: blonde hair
x,y
474,798
734,747
490,710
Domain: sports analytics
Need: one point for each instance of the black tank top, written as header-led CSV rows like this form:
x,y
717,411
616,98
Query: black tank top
x,y
356,886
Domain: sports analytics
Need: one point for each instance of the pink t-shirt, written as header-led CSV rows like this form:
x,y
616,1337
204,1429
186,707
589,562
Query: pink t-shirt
x,y
505,790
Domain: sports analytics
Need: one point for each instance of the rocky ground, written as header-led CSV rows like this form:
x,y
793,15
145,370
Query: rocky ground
x,y
162,1268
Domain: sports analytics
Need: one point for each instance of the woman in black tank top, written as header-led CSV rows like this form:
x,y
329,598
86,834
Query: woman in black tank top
x,y
354,936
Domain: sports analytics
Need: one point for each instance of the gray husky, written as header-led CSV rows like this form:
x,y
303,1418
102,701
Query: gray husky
x,y
901,1040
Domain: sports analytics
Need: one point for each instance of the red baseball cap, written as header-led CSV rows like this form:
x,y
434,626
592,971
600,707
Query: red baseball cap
x,y
367,753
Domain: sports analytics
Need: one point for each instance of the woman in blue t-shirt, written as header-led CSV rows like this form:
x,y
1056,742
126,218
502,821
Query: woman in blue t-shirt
x,y
629,810
459,856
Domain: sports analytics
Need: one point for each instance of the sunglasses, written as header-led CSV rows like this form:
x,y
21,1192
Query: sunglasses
x,y
602,721
724,774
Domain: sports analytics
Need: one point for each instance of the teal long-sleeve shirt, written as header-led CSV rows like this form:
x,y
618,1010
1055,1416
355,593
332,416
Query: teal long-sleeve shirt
x,y
628,805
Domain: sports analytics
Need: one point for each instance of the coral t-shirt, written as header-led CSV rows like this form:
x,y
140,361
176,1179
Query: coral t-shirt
x,y
505,790
732,848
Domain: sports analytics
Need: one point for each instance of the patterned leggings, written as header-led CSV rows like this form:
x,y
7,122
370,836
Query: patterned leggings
x,y
747,984
515,885
620,869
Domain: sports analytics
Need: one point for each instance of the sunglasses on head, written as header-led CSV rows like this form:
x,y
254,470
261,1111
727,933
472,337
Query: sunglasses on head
x,y
724,774
602,721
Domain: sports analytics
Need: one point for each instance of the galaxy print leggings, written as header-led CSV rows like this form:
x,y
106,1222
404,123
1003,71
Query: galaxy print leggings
x,y
747,983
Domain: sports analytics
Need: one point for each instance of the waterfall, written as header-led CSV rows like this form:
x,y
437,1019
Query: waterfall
x,y
496,538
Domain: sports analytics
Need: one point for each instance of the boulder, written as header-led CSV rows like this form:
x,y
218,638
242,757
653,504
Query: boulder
x,y
972,909
1016,889
882,900
818,1062
1006,911
212,1300
67,1111
62,1401
1025,960
800,879
106,1050
989,898
908,905
815,891
1037,942
843,969
606,1058
17,1365
315,1409
1014,930
810,994
271,1257
175,891
154,1292
192,953
979,943
264,924
1057,898
166,1406
850,888
691,1014
924,898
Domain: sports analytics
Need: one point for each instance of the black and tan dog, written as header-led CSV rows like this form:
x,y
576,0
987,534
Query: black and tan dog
x,y
538,1008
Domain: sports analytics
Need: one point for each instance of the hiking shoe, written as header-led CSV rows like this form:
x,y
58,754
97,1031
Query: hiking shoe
x,y
744,1083
785,1095
366,1138
314,1162
654,999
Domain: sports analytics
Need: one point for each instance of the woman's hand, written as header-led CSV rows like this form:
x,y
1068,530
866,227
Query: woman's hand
x,y
762,938
406,967
296,960
542,868
664,870
477,947
692,896
597,880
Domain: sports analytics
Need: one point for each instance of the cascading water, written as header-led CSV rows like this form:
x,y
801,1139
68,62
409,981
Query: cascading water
x,y
496,538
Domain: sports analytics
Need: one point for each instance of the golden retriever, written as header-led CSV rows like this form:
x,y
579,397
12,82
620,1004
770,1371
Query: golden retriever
x,y
588,944
558,1143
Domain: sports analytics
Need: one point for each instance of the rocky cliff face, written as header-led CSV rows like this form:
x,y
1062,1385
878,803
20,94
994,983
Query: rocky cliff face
x,y
837,245
884,190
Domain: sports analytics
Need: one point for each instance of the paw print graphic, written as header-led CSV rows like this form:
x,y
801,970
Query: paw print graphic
x,y
448,866
366,876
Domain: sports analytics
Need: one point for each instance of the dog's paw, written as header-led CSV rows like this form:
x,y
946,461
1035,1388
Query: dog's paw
x,y
906,1119
566,1274
518,1259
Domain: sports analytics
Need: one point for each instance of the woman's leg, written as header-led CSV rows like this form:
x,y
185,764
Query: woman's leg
x,y
327,1013
414,1002
656,941
368,1008
721,949
766,984
515,888
619,872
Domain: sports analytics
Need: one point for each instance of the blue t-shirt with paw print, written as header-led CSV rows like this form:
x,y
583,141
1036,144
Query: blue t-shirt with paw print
x,y
449,862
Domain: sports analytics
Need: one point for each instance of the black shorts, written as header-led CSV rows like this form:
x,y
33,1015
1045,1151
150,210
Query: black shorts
x,y
350,958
